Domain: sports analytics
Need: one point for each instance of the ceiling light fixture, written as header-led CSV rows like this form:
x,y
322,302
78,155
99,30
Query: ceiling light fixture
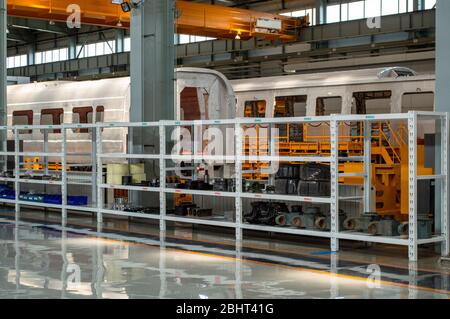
x,y
126,7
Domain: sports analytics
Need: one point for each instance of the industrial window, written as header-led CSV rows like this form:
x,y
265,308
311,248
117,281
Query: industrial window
x,y
302,13
255,108
372,102
127,44
356,10
51,56
429,4
185,38
23,118
328,105
352,10
333,13
389,7
16,61
52,117
96,49
418,101
373,8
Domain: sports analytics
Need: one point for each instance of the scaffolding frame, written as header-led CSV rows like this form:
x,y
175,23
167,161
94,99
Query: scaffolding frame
x,y
335,234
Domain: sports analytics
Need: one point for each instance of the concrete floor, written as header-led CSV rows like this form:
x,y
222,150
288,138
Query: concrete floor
x,y
40,259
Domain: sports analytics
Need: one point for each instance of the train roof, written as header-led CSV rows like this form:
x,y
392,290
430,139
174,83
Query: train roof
x,y
67,91
338,78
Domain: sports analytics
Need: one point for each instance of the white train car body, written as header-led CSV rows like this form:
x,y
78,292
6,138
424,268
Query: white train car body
x,y
107,100
343,85
207,94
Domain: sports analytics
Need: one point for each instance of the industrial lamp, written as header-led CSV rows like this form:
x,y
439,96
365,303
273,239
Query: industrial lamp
x,y
126,5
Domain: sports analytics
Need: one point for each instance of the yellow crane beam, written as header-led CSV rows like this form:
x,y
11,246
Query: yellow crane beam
x,y
191,18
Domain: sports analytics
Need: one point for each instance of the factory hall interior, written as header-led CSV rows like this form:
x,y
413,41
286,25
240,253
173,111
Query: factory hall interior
x,y
224,150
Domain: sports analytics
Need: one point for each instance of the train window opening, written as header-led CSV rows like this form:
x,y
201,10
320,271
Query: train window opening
x,y
328,105
52,117
372,102
418,101
23,118
82,115
255,108
290,106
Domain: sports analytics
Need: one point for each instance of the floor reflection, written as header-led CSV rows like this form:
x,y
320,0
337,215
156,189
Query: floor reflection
x,y
38,261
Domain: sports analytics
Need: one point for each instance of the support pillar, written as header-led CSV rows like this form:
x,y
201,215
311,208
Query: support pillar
x,y
442,65
321,11
152,61
120,40
31,54
421,5
3,55
152,74
72,48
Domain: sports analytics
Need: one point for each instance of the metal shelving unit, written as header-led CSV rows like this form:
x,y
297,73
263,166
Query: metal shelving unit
x,y
64,180
334,200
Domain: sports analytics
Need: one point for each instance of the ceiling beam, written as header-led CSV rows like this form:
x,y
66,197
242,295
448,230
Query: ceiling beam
x,y
37,25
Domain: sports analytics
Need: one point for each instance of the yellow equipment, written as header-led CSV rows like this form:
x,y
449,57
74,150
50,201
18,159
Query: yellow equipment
x,y
192,18
389,168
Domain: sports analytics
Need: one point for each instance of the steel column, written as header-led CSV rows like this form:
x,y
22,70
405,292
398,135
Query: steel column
x,y
98,136
367,167
162,179
120,39
442,98
321,11
445,216
334,170
3,55
64,186
412,176
238,133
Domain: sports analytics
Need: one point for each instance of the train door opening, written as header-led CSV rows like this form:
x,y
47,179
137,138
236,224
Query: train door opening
x,y
194,104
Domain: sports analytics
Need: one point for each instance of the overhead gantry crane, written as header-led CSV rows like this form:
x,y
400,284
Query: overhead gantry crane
x,y
191,18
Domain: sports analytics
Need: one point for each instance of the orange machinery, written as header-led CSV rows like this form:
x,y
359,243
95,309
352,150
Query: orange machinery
x,y
389,168
191,18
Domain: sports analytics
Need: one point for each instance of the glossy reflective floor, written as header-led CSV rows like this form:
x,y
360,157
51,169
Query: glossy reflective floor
x,y
44,261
